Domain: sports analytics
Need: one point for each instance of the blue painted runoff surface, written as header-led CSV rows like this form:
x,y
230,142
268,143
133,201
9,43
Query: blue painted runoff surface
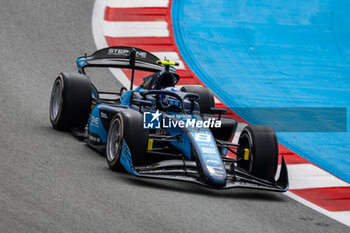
x,y
275,54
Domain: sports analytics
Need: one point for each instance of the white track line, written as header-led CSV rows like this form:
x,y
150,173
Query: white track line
x,y
303,176
136,29
217,101
240,127
138,3
98,23
344,215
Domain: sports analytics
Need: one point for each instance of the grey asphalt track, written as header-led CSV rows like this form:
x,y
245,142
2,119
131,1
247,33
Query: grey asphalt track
x,y
52,182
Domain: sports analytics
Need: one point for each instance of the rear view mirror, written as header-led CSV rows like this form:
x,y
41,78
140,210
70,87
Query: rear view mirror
x,y
218,111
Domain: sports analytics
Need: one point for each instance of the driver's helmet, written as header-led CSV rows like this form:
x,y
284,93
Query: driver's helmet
x,y
167,101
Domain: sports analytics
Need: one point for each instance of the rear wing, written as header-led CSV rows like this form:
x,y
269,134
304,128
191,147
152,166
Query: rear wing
x,y
121,57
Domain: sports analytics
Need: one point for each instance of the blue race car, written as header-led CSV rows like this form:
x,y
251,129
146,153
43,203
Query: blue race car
x,y
159,131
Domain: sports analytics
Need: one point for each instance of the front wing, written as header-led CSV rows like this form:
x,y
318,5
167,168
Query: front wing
x,y
183,170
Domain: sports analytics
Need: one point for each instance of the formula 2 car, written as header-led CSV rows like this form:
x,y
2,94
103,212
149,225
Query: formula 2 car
x,y
159,131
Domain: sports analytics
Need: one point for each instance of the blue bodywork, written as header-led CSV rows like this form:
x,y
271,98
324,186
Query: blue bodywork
x,y
198,142
126,160
204,145
96,126
126,96
81,62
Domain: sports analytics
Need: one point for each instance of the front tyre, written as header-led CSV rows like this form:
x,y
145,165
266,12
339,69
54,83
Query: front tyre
x,y
258,153
126,126
70,101
114,143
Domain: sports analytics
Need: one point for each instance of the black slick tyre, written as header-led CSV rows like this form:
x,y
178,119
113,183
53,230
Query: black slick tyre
x,y
70,101
262,161
126,126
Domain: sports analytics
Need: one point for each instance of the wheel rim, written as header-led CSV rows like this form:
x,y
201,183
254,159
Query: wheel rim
x,y
246,142
56,99
114,140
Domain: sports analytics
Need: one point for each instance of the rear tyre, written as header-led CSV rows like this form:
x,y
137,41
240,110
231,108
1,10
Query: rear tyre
x,y
206,100
263,151
128,126
70,102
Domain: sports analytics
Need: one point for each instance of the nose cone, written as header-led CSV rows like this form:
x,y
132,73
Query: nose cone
x,y
215,175
208,156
